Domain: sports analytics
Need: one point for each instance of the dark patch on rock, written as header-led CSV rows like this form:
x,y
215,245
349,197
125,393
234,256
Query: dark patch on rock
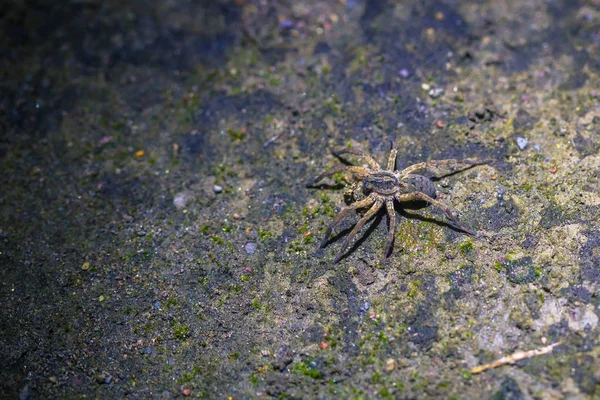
x,y
503,214
321,48
560,39
276,385
584,372
575,81
34,107
532,301
587,213
207,141
313,334
194,142
552,216
461,278
422,328
101,36
520,271
352,309
221,105
453,23
519,57
366,275
577,292
590,257
373,9
509,390
523,121
127,192
173,49
586,146
283,357
529,241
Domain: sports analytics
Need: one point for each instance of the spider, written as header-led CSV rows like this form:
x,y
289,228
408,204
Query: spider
x,y
383,186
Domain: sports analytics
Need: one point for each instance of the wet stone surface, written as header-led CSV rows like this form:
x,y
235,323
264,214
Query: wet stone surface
x,y
157,238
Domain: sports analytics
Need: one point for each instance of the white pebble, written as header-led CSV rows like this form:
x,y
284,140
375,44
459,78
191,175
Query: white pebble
x,y
522,142
181,199
250,247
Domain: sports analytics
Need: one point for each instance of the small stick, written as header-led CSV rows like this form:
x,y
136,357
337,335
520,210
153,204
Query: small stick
x,y
513,358
274,138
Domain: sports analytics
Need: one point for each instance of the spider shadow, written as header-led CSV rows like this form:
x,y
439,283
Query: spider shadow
x,y
376,220
436,178
325,186
313,185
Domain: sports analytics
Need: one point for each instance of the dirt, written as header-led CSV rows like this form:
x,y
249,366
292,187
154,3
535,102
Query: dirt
x,y
158,238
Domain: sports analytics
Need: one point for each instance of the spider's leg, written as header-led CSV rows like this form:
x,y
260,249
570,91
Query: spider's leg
x,y
359,172
392,160
453,164
372,163
422,196
345,210
392,228
368,215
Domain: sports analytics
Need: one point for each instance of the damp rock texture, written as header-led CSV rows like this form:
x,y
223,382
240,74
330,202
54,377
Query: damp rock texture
x,y
157,238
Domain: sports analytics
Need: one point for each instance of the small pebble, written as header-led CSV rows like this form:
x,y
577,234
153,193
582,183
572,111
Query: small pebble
x,y
250,248
181,199
434,93
286,24
366,306
103,377
390,364
148,350
522,142
217,189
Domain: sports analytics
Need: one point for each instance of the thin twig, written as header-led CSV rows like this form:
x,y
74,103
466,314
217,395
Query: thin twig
x,y
513,358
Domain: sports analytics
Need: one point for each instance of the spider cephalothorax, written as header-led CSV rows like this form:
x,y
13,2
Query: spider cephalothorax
x,y
383,186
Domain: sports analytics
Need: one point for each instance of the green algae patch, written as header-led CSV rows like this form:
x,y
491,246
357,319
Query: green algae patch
x,y
305,368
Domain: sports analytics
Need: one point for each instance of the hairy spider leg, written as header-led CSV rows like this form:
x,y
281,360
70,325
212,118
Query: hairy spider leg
x,y
370,160
392,159
345,210
389,203
368,215
442,163
422,196
359,172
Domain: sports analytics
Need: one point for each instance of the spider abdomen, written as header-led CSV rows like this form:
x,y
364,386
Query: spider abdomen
x,y
382,182
419,183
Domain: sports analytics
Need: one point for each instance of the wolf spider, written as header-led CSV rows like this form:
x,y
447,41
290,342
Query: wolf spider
x,y
383,186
